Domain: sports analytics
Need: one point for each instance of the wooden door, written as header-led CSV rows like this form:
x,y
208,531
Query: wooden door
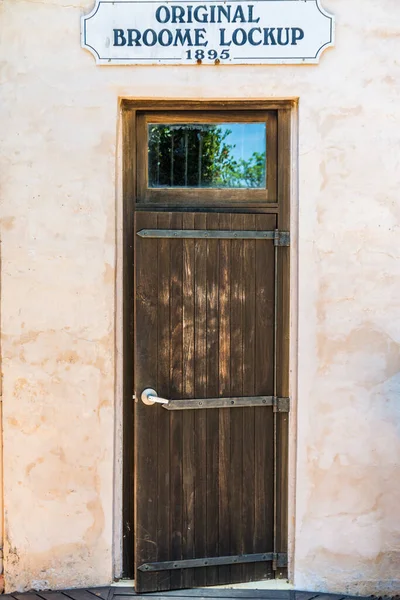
x,y
204,329
210,376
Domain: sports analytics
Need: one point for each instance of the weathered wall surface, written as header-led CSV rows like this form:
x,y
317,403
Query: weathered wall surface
x,y
58,191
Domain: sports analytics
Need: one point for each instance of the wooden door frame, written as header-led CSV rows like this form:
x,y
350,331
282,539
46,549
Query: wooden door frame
x,y
284,110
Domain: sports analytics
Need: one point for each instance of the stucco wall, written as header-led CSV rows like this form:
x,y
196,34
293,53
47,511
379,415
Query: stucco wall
x,y
58,224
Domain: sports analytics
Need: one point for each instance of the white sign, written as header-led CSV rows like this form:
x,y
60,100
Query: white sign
x,y
196,31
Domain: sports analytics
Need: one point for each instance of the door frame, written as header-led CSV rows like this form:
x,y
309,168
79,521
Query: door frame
x,y
129,108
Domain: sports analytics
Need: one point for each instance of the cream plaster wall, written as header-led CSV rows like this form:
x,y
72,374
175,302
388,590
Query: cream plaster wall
x,y
58,259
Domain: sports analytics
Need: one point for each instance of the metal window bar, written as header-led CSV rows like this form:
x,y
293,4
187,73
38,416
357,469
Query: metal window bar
x,y
186,157
200,165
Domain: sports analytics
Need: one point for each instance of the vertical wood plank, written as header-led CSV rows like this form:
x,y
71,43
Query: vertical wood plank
x,y
264,385
145,416
141,158
249,359
188,425
272,162
176,384
212,273
129,184
200,390
283,336
163,387
236,374
224,522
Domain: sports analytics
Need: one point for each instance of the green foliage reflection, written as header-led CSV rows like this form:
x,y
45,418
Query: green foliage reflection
x,y
200,156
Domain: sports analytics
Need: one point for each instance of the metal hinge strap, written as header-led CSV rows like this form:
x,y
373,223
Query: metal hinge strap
x,y
280,238
281,405
279,559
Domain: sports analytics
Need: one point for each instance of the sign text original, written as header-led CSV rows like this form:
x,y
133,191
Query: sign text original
x,y
262,31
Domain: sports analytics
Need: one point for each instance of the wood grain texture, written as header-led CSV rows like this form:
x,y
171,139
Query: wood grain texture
x,y
188,425
207,105
224,361
236,418
283,335
163,387
146,371
129,185
249,354
176,386
264,384
205,327
200,391
212,420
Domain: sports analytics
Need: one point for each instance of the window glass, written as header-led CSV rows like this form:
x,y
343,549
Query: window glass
x,y
207,155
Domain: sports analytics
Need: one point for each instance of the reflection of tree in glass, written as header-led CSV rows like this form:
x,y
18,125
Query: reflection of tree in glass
x,y
199,156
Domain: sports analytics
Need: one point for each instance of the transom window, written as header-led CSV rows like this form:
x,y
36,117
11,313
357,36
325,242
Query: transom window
x,y
207,158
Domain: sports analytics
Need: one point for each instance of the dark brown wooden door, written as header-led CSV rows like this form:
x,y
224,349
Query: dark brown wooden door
x,y
204,328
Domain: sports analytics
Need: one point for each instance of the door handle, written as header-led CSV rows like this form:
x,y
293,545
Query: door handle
x,y
150,397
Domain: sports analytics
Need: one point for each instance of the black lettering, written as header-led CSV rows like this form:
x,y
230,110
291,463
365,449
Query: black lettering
x,y
119,38
297,35
199,35
251,36
161,37
149,37
239,15
167,15
222,41
183,38
269,36
251,17
212,13
177,14
133,37
202,18
279,38
224,11
239,37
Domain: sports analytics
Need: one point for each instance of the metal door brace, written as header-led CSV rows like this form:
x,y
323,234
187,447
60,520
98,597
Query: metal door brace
x,y
280,238
149,397
277,558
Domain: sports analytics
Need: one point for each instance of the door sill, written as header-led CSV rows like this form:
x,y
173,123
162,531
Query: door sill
x,y
266,584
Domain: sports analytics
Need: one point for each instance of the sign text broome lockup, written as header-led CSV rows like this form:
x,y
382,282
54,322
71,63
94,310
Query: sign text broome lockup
x,y
262,31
